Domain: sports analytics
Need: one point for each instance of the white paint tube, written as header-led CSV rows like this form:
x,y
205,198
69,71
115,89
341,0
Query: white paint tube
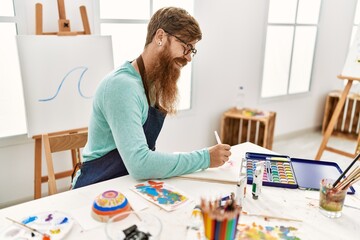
x,y
257,179
241,191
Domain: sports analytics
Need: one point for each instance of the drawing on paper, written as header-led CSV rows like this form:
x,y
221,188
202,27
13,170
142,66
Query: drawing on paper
x,y
162,194
257,231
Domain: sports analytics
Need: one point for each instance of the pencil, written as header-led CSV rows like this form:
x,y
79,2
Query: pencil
x,y
217,137
346,170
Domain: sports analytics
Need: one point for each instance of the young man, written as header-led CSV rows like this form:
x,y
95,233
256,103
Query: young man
x,y
131,103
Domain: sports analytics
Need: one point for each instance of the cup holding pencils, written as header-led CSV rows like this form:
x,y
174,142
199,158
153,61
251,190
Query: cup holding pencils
x,y
220,220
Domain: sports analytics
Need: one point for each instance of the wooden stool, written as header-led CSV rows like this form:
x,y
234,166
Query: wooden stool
x,y
246,125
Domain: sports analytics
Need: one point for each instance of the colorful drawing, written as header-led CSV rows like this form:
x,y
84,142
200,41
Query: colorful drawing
x,y
161,194
55,224
259,232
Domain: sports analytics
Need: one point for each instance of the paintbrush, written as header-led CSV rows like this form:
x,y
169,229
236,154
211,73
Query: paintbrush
x,y
346,170
45,236
267,217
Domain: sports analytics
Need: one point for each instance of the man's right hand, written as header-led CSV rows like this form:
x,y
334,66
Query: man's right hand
x,y
219,155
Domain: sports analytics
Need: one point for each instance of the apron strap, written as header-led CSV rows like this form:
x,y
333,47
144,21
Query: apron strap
x,y
140,63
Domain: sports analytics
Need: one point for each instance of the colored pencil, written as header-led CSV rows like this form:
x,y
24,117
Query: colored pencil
x,y
220,222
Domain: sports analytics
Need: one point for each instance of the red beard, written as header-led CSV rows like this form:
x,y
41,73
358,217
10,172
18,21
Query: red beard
x,y
162,78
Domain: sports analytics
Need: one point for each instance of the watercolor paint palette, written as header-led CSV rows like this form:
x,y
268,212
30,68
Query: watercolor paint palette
x,y
161,194
55,224
286,172
278,171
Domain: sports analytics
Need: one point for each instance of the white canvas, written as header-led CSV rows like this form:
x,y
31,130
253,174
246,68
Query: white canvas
x,y
352,63
60,76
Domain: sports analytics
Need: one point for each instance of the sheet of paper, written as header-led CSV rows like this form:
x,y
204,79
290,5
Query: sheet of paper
x,y
161,194
230,171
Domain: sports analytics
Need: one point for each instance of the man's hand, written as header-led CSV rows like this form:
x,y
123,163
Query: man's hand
x,y
219,154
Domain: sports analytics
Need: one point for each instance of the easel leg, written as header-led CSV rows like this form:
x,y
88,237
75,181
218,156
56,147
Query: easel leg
x,y
333,120
37,173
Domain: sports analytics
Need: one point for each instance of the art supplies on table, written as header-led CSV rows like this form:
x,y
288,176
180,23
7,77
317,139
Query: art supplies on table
x,y
108,204
286,172
161,194
267,231
228,173
133,226
220,222
55,225
353,177
241,191
257,179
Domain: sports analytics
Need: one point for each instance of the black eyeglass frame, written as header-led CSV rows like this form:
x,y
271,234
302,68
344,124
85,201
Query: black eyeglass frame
x,y
186,50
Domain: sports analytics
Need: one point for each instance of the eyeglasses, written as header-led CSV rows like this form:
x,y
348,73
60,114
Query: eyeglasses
x,y
189,48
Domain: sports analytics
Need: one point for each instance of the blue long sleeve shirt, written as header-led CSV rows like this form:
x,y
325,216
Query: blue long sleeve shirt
x,y
119,111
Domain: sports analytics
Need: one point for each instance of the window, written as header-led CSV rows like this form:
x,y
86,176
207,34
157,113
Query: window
x,y
12,109
289,48
126,21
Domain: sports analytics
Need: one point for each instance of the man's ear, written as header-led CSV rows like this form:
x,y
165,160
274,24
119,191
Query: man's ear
x,y
160,36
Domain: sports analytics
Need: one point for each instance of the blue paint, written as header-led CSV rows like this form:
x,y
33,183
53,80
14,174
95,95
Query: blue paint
x,y
29,219
269,228
65,220
148,190
84,69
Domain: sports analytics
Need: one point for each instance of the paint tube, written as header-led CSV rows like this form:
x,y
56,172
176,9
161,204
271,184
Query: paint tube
x,y
257,179
196,219
241,191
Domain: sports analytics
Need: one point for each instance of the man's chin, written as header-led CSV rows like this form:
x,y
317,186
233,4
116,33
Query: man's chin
x,y
179,65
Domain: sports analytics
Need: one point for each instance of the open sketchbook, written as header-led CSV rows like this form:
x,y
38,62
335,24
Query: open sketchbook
x,y
229,172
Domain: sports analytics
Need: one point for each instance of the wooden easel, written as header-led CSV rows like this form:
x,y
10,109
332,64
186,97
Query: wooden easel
x,y
38,177
334,118
63,23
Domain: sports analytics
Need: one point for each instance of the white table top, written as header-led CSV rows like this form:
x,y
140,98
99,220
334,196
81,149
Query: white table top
x,y
281,202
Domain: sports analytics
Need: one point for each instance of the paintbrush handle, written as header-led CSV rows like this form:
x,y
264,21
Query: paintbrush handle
x,y
346,170
272,217
45,236
284,219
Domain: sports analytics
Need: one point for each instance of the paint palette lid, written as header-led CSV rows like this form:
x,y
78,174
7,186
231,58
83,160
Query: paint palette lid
x,y
55,224
310,172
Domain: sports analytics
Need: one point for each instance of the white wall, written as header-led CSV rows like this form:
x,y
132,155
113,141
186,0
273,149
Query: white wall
x,y
230,54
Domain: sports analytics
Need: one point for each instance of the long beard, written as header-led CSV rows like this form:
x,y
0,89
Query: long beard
x,y
163,76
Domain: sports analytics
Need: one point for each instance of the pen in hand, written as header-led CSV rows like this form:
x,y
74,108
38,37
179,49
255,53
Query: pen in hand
x,y
217,137
219,142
